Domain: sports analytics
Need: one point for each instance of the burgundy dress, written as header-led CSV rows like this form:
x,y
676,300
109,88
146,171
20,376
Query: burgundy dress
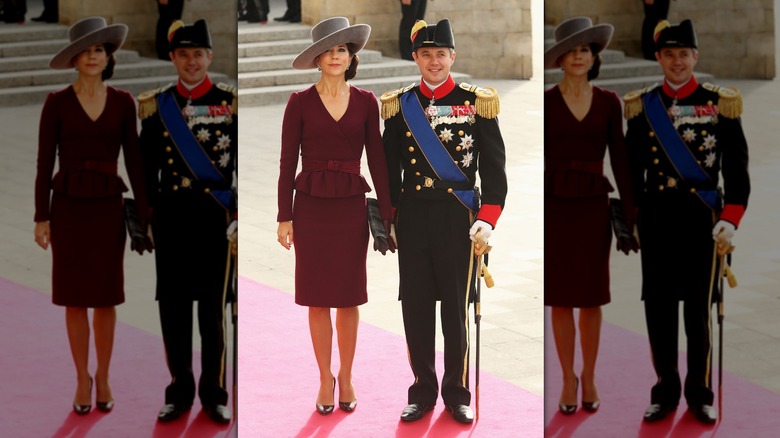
x,y
577,230
83,201
330,222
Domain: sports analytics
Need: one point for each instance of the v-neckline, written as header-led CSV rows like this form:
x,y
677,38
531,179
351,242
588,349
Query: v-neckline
x,y
84,110
349,101
568,108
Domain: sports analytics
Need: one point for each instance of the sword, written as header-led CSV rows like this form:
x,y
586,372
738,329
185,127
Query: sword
x,y
724,248
480,248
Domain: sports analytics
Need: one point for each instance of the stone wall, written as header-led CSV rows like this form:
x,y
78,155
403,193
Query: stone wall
x,y
141,18
736,37
492,37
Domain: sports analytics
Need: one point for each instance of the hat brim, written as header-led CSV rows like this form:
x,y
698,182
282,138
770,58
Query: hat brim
x,y
357,35
598,35
113,35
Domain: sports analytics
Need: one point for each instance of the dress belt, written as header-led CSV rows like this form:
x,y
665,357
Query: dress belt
x,y
75,165
585,166
339,166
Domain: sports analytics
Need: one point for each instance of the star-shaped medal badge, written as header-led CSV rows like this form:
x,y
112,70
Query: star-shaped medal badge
x,y
709,142
224,159
689,135
203,135
224,142
445,135
710,160
467,158
466,142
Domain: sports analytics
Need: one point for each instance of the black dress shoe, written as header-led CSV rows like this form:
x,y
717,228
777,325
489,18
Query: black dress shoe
x,y
327,409
171,411
218,413
461,413
570,409
348,406
704,413
295,19
83,409
285,17
105,406
414,412
591,406
658,411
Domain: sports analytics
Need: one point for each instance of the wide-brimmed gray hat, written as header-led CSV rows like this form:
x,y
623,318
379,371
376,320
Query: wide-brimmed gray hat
x,y
328,33
573,32
85,33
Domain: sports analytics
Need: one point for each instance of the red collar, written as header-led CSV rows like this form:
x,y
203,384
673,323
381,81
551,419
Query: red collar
x,y
682,92
197,92
441,91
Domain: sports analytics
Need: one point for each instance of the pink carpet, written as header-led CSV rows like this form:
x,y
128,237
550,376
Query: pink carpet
x,y
625,376
279,382
38,378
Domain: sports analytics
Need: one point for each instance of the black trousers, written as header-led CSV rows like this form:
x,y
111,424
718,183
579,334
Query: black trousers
x,y
434,255
176,321
167,14
654,13
409,15
662,316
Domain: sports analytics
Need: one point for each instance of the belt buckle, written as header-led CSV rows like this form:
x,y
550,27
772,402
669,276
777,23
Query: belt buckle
x,y
428,182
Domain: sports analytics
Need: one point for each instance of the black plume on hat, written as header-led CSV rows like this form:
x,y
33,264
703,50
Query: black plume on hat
x,y
433,35
195,35
680,35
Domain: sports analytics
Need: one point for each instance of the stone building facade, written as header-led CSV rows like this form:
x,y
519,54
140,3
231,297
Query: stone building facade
x,y
141,18
737,38
492,37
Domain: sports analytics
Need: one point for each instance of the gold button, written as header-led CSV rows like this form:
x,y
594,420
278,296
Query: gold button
x,y
213,162
458,148
460,133
701,148
703,132
402,189
175,187
693,190
408,134
218,133
207,190
455,161
449,190
709,102
170,160
467,103
417,187
660,174
175,173
411,148
413,161
224,102
215,148
651,134
165,134
654,149
416,173
167,148
655,161
660,188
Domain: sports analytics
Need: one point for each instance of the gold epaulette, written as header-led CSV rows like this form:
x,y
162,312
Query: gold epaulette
x,y
390,103
147,102
729,100
633,102
230,89
487,103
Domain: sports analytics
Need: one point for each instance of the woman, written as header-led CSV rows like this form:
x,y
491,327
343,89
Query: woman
x,y
581,121
80,210
329,124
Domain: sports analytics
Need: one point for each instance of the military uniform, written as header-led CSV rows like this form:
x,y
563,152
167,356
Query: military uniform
x,y
676,215
435,254
189,225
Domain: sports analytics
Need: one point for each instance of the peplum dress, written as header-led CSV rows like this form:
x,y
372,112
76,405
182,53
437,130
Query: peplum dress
x,y
83,200
326,201
577,229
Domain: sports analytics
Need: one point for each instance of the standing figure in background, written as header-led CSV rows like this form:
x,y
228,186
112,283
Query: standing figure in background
x,y
655,11
411,11
293,12
168,12
50,12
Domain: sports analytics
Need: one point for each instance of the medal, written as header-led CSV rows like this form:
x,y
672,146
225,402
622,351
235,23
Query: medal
x,y
432,111
674,110
188,111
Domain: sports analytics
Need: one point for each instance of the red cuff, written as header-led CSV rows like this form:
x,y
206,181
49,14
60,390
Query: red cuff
x,y
489,213
733,213
235,215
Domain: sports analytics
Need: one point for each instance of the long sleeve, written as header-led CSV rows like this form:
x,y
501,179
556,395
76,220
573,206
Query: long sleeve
x,y
48,133
131,150
376,159
492,170
292,127
390,138
618,158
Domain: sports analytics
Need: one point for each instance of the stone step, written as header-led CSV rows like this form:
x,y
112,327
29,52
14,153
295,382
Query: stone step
x,y
631,67
41,62
36,47
281,62
386,68
271,48
280,94
256,34
33,32
145,67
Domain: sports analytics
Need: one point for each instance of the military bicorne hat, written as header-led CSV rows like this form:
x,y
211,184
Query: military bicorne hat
x,y
679,35
194,35
432,35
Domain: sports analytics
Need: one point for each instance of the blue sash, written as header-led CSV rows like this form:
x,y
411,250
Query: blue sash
x,y
440,160
684,162
199,163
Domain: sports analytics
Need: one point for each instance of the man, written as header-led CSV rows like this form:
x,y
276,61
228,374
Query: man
x,y
188,139
655,12
293,12
411,11
438,134
168,11
681,135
